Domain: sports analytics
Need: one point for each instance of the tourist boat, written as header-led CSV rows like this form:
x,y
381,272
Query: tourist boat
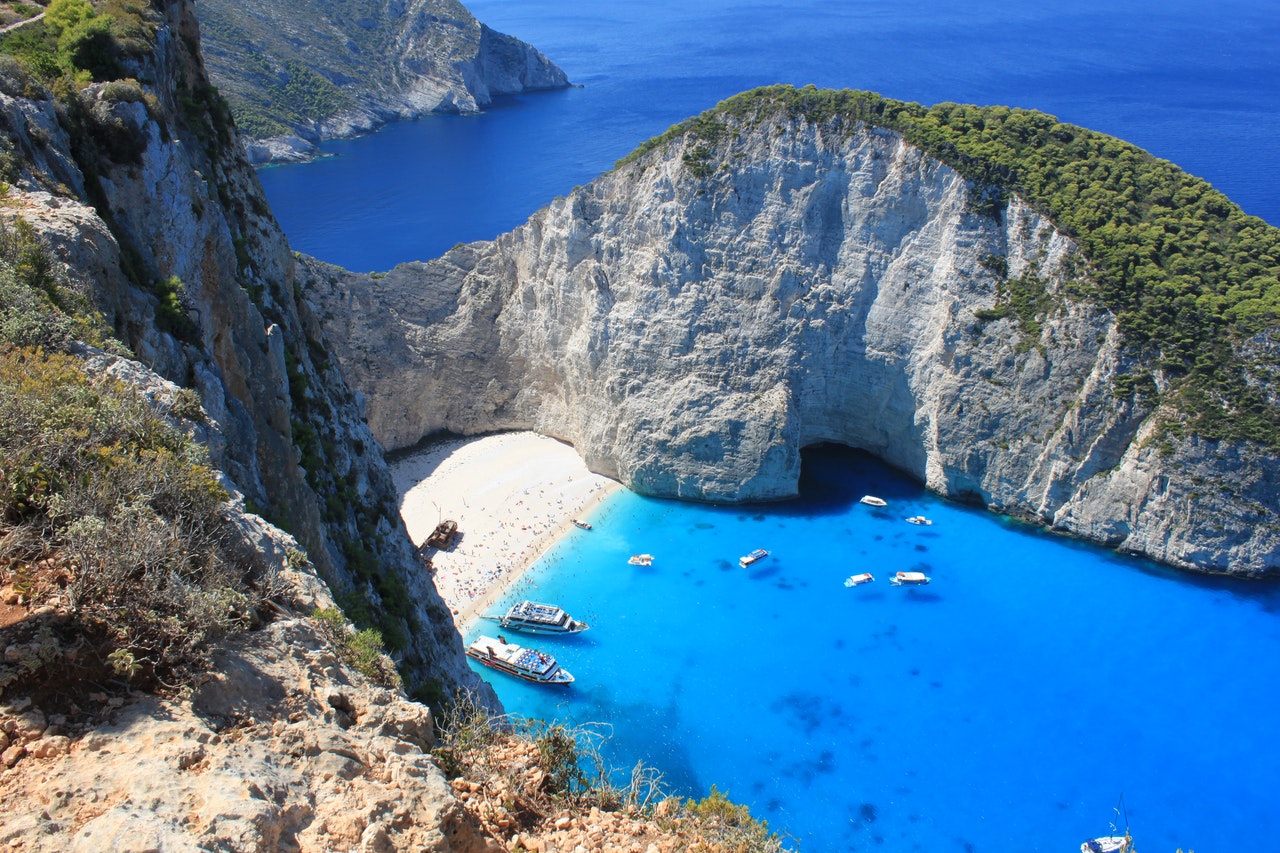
x,y
856,580
529,664
754,557
909,578
919,519
580,523
872,500
442,537
641,560
534,618
1108,844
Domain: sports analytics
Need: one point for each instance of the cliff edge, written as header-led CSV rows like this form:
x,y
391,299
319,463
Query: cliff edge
x,y
135,189
300,71
764,278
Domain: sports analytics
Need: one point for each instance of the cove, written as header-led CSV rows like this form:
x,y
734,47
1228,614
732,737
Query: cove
x,y
1192,83
1006,706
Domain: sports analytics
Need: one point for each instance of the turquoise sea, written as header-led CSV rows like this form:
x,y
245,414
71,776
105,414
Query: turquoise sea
x,y
1008,705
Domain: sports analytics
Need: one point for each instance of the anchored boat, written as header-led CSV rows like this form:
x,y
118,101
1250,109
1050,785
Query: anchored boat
x,y
1108,844
919,519
529,664
909,578
755,556
872,500
534,618
857,580
641,560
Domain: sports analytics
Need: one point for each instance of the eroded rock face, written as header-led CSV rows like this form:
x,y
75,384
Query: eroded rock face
x,y
282,749
692,320
136,186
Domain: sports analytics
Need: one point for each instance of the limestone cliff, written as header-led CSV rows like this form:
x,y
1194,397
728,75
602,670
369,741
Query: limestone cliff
x,y
694,318
300,71
141,193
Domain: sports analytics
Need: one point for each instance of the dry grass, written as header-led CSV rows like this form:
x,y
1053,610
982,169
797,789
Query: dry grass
x,y
537,787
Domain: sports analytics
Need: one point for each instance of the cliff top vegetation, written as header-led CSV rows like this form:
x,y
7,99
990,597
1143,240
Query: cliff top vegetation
x,y
86,41
1193,281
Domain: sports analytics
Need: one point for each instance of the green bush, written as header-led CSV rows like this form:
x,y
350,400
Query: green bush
x,y
79,41
362,650
38,308
92,475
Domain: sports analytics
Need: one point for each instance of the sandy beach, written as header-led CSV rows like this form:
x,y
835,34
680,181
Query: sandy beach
x,y
513,495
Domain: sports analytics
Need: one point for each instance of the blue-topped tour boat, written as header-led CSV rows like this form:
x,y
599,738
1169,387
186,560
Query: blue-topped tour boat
x,y
529,664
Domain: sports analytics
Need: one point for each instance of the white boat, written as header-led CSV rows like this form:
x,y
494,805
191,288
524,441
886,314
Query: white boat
x,y
529,664
908,578
919,519
1112,843
755,556
534,618
872,500
580,523
856,580
641,560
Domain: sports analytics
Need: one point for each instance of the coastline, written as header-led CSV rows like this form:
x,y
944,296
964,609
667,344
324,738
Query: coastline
x,y
514,496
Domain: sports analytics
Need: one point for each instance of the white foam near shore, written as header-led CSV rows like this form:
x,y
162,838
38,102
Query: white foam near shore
x,y
513,496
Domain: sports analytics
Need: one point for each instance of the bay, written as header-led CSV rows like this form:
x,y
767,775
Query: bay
x,y
1007,705
1194,83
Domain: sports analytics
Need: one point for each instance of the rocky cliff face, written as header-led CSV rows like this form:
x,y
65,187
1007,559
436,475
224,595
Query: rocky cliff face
x,y
692,320
138,185
300,71
281,747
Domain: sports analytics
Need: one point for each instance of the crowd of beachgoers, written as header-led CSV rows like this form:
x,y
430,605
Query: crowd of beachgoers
x,y
513,496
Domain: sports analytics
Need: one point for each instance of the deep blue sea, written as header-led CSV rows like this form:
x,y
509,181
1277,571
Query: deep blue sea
x,y
1006,706
1193,82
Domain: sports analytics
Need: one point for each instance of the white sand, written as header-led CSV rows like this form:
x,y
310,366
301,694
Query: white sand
x,y
513,495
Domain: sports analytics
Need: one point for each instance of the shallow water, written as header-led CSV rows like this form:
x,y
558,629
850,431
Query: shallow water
x,y
1009,704
1006,706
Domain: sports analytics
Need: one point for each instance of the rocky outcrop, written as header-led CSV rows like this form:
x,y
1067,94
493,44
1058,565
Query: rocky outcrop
x,y
282,748
139,190
298,71
693,319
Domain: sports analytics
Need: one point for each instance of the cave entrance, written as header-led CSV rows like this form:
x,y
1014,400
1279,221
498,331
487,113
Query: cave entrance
x,y
835,475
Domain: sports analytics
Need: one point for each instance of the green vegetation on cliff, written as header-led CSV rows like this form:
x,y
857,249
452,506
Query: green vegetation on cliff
x,y
82,40
107,506
1193,281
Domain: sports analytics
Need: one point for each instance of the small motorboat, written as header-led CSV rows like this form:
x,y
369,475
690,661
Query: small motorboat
x,y
909,578
641,560
872,500
858,580
580,523
754,557
919,519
